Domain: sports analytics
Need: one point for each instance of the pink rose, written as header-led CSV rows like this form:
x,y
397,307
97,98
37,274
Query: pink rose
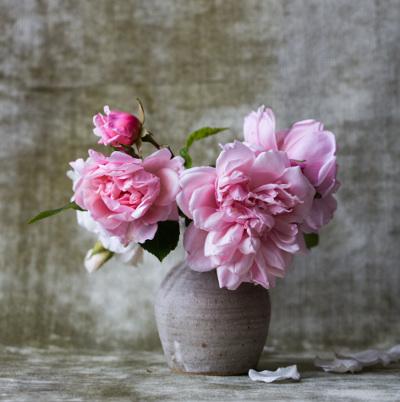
x,y
308,145
245,213
116,128
128,196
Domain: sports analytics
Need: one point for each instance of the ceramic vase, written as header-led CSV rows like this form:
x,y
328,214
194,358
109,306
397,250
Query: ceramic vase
x,y
208,330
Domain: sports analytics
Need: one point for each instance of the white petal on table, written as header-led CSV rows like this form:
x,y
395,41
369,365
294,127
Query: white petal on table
x,y
281,374
338,365
394,353
353,362
368,357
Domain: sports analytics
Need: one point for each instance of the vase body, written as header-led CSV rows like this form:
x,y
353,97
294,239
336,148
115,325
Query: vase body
x,y
208,330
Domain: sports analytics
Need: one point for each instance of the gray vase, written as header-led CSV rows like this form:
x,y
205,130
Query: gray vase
x,y
208,330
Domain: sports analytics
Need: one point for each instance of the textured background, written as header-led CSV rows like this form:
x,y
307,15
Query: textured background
x,y
195,63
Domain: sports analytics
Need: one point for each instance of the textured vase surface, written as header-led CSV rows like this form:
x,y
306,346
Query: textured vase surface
x,y
208,330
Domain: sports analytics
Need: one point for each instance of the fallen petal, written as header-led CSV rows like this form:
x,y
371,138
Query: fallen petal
x,y
353,362
368,357
394,353
281,374
338,365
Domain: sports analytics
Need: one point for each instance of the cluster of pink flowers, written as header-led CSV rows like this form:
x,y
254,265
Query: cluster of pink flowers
x,y
247,216
250,211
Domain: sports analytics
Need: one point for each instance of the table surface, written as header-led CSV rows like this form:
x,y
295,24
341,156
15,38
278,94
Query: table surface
x,y
55,374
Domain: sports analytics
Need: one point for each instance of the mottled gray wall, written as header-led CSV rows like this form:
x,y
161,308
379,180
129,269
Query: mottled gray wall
x,y
195,63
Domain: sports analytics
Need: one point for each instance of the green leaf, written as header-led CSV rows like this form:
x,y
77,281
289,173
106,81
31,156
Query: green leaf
x,y
51,212
196,136
165,240
311,239
203,133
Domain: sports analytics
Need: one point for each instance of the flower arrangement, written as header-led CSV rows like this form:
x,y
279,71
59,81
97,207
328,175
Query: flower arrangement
x,y
265,199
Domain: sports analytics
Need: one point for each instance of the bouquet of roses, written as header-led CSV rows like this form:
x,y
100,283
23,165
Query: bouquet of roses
x,y
265,199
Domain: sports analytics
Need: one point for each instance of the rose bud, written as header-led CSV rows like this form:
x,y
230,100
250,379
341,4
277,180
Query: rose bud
x,y
116,128
97,257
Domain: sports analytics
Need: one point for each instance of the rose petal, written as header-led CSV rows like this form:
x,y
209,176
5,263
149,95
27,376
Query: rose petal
x,y
280,374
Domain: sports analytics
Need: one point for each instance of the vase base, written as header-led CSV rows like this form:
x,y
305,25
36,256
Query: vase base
x,y
209,373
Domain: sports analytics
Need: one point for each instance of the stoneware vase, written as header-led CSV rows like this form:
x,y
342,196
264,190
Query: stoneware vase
x,y
208,330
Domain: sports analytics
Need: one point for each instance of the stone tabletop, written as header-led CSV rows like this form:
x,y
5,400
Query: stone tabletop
x,y
56,374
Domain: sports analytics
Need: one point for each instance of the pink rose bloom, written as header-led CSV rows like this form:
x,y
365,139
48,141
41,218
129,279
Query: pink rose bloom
x,y
116,128
308,145
245,215
126,196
